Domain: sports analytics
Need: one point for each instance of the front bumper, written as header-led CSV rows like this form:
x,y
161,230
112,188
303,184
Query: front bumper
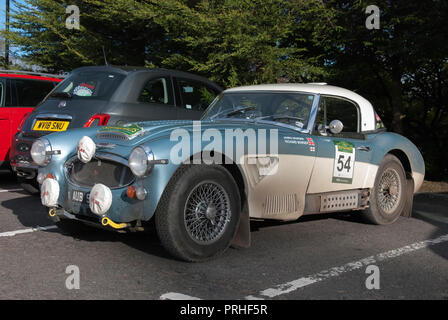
x,y
73,202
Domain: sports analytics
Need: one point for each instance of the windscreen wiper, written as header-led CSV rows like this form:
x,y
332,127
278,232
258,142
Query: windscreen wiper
x,y
233,112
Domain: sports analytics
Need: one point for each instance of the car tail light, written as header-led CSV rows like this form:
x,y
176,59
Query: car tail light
x,y
101,117
22,122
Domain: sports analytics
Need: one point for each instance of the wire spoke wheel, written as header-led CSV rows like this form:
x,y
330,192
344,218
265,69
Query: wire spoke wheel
x,y
207,212
389,191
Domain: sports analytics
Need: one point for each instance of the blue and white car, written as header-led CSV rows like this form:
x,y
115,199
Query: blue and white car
x,y
260,152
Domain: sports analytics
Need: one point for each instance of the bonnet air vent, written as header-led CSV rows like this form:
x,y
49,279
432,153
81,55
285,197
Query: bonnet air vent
x,y
112,136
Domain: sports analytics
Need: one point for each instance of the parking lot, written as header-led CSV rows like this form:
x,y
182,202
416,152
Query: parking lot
x,y
316,257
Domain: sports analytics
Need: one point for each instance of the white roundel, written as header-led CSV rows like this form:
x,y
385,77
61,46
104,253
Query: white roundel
x,y
100,199
49,192
86,149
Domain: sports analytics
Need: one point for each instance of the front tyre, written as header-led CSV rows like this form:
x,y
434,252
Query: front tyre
x,y
199,212
389,192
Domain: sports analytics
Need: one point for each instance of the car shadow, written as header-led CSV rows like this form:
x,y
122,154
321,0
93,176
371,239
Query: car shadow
x,y
432,208
30,213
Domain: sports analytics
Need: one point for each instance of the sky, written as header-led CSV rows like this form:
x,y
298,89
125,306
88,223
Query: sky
x,y
2,11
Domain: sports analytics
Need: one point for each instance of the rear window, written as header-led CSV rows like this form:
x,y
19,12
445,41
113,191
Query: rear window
x,y
31,92
90,85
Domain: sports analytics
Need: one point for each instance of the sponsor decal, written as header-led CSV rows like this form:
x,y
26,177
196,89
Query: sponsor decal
x,y
130,131
344,162
310,141
300,140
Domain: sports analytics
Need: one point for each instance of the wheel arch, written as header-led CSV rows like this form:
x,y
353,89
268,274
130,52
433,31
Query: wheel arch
x,y
406,163
242,236
234,170
404,159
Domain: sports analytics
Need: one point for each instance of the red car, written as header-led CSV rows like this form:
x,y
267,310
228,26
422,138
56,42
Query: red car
x,y
20,92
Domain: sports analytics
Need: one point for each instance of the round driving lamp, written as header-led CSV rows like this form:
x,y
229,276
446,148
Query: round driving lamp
x,y
139,161
41,152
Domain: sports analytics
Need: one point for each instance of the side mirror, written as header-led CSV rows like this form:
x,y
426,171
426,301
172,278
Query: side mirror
x,y
336,126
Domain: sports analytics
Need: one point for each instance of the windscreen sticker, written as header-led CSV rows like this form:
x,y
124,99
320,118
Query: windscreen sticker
x,y
130,131
344,162
84,90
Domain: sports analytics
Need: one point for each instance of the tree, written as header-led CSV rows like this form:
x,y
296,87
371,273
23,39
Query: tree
x,y
401,68
39,31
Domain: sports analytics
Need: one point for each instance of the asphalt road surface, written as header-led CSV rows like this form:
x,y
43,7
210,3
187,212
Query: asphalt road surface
x,y
316,257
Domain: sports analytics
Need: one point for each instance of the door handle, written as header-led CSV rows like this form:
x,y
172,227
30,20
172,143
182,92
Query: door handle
x,y
363,148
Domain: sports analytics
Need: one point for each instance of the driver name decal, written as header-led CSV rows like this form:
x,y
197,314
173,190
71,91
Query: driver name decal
x,y
344,162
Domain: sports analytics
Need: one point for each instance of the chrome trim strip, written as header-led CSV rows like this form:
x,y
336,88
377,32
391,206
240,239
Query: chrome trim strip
x,y
54,116
313,113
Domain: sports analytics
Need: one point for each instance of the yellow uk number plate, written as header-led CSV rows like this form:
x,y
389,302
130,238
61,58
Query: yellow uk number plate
x,y
46,125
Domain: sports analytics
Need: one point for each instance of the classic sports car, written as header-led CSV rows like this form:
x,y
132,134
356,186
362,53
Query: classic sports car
x,y
265,152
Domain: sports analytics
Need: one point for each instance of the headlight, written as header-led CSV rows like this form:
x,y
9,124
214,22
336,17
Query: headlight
x,y
139,161
41,152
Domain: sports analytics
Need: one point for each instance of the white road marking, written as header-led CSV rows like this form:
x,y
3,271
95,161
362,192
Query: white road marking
x,y
326,274
351,266
10,190
14,233
176,296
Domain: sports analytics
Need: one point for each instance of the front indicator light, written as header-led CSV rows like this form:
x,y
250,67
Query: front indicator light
x,y
131,192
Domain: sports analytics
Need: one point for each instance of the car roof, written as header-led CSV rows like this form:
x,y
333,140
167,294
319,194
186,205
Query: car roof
x,y
128,70
366,108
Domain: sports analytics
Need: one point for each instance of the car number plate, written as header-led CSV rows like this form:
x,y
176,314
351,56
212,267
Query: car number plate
x,y
47,125
78,196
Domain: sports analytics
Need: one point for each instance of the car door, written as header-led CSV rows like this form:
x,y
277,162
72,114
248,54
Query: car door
x,y
4,123
280,194
192,98
343,160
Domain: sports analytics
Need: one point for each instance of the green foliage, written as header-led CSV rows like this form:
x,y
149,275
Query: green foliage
x,y
401,68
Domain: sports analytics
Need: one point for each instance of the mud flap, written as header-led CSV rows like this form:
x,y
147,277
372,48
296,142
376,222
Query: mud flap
x,y
407,210
242,236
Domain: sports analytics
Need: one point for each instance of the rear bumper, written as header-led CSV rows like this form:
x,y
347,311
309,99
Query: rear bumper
x,y
20,156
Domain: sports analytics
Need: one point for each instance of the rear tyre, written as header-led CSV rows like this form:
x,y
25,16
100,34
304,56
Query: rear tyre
x,y
199,212
388,196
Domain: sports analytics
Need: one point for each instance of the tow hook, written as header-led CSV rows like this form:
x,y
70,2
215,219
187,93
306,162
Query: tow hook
x,y
107,222
53,213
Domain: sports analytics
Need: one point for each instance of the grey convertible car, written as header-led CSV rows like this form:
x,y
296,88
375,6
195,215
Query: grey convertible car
x,y
109,95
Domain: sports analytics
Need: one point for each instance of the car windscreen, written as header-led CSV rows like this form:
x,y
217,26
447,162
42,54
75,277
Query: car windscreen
x,y
88,85
292,108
